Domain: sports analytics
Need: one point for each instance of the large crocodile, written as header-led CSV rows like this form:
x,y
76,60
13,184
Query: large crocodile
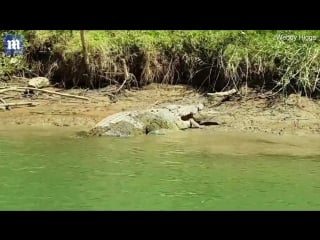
x,y
154,120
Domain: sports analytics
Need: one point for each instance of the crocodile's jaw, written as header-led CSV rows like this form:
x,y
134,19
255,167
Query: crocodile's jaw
x,y
200,107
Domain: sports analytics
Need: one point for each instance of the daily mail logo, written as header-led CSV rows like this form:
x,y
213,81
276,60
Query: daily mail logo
x,y
13,44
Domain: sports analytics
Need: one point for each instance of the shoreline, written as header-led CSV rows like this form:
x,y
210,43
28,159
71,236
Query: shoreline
x,y
294,115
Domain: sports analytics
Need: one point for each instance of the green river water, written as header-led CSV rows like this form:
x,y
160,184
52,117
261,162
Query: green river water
x,y
48,169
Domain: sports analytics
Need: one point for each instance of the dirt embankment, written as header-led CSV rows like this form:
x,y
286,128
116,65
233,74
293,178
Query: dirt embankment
x,y
293,115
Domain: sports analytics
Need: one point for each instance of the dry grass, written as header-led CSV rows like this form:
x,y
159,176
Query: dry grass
x,y
210,60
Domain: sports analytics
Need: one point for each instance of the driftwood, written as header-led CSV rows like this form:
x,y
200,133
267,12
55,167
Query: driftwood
x,y
19,89
16,89
216,99
3,101
6,105
222,94
126,75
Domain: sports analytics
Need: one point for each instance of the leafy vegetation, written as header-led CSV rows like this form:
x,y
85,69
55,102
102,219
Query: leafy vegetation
x,y
212,60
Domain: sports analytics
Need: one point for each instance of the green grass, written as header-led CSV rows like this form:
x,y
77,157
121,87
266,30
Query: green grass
x,y
215,60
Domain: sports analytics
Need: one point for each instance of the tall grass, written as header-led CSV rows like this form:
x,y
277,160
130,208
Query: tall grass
x,y
212,60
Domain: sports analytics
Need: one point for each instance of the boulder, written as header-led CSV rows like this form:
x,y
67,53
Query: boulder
x,y
39,82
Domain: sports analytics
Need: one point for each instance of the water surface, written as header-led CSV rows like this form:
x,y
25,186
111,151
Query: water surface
x,y
48,169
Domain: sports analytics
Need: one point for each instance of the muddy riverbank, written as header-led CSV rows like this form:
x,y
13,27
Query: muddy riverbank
x,y
250,113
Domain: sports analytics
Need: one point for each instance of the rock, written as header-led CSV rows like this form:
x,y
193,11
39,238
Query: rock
x,y
39,82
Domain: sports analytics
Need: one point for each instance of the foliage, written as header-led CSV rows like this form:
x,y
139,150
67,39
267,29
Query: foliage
x,y
202,58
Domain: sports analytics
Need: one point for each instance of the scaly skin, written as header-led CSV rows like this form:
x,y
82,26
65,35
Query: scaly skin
x,y
143,122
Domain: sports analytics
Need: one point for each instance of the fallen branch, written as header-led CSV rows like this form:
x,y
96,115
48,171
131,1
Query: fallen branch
x,y
124,82
6,105
43,90
222,94
37,112
126,75
216,99
13,89
3,101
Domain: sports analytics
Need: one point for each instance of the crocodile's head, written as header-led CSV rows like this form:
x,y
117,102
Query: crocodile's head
x,y
200,107
190,111
194,110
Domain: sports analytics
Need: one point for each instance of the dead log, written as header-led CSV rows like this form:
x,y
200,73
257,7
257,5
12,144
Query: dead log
x,y
19,89
222,94
6,105
3,101
215,99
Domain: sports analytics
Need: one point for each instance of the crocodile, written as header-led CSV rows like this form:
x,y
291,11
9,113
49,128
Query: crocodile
x,y
150,121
